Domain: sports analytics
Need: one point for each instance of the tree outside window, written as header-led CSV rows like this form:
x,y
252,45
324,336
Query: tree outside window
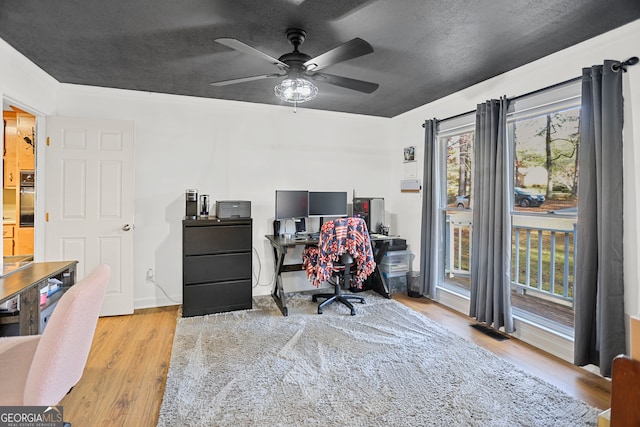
x,y
546,161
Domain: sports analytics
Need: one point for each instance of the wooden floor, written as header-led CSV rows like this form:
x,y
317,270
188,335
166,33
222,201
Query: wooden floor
x,y
577,382
124,380
125,376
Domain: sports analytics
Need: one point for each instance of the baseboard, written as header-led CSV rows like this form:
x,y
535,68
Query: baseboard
x,y
160,301
453,300
544,339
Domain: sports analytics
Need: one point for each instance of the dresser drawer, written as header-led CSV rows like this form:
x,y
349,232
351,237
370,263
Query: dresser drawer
x,y
206,298
216,268
216,265
215,239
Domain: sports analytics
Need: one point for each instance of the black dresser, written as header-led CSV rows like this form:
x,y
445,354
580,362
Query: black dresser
x,y
216,265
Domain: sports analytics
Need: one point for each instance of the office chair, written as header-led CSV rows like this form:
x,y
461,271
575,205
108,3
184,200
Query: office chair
x,y
39,370
341,277
343,257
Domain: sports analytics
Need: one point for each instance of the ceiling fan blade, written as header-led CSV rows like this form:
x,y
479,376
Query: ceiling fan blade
x,y
353,84
246,79
245,48
349,50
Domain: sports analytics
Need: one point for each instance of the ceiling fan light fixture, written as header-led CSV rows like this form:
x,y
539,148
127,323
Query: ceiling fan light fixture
x,y
296,90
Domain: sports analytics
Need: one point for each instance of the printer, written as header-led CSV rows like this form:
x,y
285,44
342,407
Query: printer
x,y
227,209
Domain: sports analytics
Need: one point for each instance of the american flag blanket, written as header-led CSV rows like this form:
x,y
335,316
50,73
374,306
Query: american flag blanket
x,y
337,237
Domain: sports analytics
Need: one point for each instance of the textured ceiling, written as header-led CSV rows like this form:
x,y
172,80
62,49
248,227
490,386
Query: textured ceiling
x,y
423,50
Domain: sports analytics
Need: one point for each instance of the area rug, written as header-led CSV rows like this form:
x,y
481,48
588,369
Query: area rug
x,y
386,366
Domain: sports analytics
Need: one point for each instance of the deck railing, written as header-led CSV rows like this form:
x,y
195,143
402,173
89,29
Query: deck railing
x,y
543,253
458,235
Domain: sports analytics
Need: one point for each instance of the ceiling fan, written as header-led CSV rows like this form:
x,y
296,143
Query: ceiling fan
x,y
295,66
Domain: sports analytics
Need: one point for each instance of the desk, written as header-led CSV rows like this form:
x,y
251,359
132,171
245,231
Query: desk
x,y
281,245
27,282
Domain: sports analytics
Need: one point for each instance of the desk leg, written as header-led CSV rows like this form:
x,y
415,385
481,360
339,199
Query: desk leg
x,y
278,289
29,316
377,282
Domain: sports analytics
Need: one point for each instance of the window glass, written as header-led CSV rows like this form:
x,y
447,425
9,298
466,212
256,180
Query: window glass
x,y
546,162
457,144
544,130
459,157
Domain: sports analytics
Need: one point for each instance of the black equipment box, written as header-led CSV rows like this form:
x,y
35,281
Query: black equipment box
x,y
226,209
394,244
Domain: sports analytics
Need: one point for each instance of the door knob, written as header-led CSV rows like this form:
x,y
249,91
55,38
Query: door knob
x,y
126,227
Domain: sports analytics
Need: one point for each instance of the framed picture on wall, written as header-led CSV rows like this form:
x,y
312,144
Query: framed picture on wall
x,y
409,154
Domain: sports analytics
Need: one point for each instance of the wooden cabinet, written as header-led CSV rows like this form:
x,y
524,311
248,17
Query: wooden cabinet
x,y
10,156
25,141
18,155
7,240
23,241
17,240
19,145
216,265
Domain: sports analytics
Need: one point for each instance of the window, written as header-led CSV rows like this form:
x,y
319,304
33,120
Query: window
x,y
544,129
456,139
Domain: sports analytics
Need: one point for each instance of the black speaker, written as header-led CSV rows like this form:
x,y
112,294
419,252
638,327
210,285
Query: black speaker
x,y
276,227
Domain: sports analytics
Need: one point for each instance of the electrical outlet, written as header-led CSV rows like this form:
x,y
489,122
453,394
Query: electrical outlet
x,y
150,275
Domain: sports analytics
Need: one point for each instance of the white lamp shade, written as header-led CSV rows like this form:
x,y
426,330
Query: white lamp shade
x,y
296,90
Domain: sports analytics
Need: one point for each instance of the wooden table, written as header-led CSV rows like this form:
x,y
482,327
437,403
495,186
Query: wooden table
x,y
27,283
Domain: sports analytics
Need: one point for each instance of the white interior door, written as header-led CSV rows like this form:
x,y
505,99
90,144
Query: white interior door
x,y
89,201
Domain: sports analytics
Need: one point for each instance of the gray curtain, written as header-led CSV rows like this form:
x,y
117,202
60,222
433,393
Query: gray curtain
x,y
491,235
430,212
599,285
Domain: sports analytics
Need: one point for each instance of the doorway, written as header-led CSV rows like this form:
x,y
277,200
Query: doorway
x,y
18,186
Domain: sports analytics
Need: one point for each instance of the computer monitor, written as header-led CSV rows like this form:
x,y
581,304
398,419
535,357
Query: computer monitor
x,y
328,203
292,204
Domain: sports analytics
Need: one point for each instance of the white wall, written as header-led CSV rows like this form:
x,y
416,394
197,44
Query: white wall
x,y
231,151
23,82
26,86
619,44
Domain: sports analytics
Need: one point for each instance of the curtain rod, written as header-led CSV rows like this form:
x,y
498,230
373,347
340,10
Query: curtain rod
x,y
622,65
455,117
537,91
574,79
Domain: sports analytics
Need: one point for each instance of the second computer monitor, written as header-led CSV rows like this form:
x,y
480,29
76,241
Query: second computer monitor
x,y
292,204
328,203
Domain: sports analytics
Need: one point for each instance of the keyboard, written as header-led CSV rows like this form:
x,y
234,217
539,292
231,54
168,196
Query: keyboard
x,y
306,237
